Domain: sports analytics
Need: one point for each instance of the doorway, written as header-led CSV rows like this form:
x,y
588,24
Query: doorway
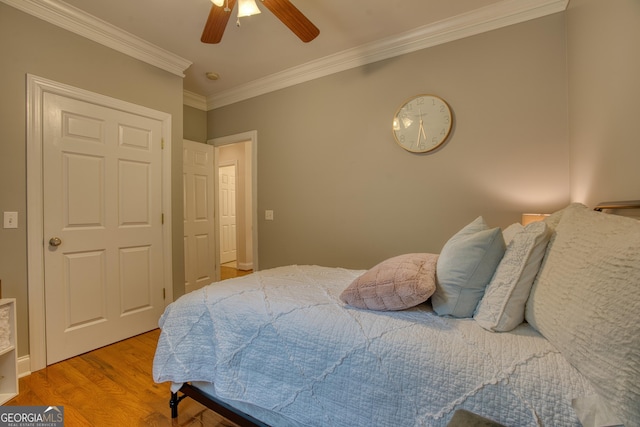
x,y
240,153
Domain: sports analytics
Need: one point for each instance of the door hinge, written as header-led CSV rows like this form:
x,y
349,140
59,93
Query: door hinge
x,y
164,293
162,219
162,143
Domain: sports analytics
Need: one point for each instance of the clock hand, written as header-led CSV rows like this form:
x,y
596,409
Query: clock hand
x,y
420,129
421,133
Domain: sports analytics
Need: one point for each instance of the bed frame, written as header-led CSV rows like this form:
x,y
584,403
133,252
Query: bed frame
x,y
216,405
245,420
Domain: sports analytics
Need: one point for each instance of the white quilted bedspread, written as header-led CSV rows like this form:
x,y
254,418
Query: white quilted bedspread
x,y
282,340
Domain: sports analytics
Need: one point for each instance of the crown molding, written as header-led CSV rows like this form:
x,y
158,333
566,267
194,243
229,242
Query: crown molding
x,y
497,15
194,100
77,21
488,18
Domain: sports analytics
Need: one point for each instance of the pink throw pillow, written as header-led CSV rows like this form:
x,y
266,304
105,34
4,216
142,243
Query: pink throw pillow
x,y
397,283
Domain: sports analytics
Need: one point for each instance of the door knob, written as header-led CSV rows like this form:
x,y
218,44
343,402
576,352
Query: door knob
x,y
55,241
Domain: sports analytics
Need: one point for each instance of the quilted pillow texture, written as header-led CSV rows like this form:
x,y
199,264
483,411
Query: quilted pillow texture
x,y
509,233
502,307
465,267
553,220
395,284
586,302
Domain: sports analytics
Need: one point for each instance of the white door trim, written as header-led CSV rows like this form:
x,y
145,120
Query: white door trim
x,y
252,137
36,87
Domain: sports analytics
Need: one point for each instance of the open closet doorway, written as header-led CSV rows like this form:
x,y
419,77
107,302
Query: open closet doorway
x,y
235,212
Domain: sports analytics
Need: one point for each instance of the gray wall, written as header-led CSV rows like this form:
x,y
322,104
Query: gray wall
x,y
342,191
195,124
344,194
29,45
603,42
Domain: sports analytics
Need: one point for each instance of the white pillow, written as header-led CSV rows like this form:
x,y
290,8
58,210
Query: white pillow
x,y
465,267
502,307
509,232
554,219
586,302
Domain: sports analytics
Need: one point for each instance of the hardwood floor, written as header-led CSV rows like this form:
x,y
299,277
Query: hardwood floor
x,y
227,272
112,386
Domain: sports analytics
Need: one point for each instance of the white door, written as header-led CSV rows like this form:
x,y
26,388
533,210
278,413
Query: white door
x,y
199,228
103,201
227,190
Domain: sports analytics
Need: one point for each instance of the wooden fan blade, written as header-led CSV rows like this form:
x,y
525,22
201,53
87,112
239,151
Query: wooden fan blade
x,y
293,18
216,23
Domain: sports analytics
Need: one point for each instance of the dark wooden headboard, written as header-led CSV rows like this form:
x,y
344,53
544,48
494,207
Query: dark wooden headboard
x,y
628,204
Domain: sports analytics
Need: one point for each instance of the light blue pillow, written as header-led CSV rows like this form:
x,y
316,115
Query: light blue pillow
x,y
465,267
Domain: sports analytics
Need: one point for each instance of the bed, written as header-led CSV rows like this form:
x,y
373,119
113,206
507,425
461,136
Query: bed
x,y
548,336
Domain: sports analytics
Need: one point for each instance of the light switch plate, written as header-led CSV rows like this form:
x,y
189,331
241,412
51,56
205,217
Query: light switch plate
x,y
268,215
11,220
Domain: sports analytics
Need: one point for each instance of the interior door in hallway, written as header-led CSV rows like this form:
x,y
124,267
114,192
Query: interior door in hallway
x,y
227,189
199,227
103,248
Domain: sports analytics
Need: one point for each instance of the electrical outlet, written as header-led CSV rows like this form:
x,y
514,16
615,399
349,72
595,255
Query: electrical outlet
x,y
268,215
11,220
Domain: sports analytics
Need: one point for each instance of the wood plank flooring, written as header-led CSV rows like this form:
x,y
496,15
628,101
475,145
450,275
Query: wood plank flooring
x,y
230,272
112,386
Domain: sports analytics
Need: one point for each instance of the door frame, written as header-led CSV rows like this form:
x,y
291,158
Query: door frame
x,y
36,88
251,137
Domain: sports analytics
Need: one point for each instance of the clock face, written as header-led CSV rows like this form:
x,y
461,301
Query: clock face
x,y
422,123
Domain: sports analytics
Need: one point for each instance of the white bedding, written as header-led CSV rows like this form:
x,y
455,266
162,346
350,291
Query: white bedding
x,y
281,340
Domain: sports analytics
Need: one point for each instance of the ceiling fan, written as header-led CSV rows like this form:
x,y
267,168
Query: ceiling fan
x,y
282,9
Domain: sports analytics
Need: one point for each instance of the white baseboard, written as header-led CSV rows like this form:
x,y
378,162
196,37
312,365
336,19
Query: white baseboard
x,y
24,366
244,266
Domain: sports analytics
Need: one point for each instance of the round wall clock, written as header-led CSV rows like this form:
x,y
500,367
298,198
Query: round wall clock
x,y
422,123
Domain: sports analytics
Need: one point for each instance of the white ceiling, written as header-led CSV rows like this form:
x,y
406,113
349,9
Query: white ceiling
x,y
262,54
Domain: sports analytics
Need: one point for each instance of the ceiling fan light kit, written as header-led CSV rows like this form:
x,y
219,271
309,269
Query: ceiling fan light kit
x,y
247,8
284,10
